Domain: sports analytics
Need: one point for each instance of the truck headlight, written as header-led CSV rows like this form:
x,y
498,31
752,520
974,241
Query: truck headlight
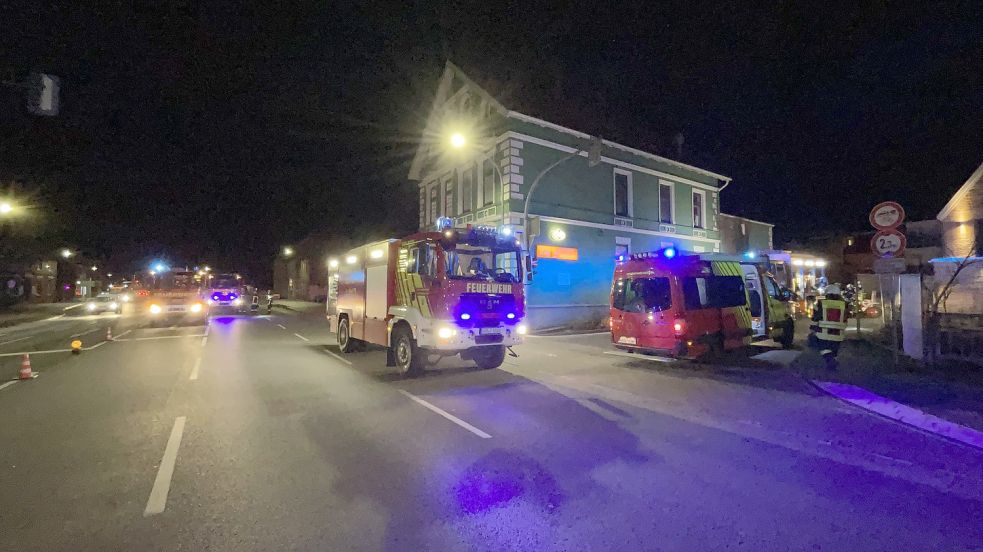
x,y
90,306
237,302
155,309
196,307
113,305
446,333
521,329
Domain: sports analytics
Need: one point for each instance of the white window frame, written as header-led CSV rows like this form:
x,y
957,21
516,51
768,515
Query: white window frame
x,y
703,209
622,240
672,201
614,193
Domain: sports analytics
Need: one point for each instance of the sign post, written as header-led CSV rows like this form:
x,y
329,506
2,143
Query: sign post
x,y
888,246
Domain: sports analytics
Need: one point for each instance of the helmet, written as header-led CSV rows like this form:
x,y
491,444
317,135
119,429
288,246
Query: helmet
x,y
833,289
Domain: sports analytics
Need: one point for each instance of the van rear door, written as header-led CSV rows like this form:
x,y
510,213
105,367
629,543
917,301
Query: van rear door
x,y
641,312
756,300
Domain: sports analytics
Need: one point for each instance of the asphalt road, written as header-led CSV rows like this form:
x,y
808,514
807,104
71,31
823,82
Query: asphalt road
x,y
251,433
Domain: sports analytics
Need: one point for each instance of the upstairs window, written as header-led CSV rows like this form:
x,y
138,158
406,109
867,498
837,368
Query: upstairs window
x,y
490,186
622,194
449,197
699,209
665,203
434,203
467,185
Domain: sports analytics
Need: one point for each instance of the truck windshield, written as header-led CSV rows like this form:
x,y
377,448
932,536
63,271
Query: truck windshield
x,y
482,263
219,283
641,294
173,280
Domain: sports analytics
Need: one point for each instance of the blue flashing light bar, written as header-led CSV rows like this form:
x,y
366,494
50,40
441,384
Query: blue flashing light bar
x,y
443,223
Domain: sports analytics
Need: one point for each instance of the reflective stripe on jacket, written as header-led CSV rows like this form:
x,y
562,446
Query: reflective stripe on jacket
x,y
832,325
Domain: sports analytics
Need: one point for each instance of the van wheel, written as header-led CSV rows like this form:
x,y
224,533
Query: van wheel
x,y
489,357
788,335
407,356
345,341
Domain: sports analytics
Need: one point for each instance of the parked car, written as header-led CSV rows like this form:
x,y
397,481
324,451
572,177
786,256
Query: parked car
x,y
103,302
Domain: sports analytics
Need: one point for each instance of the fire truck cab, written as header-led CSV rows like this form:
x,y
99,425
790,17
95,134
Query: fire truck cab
x,y
447,292
680,305
225,293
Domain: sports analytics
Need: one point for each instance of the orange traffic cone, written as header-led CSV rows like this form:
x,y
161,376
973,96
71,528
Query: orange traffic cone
x,y
109,333
25,367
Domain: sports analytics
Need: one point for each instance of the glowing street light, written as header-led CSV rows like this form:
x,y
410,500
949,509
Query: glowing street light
x,y
6,208
288,251
159,267
333,263
66,253
458,140
94,268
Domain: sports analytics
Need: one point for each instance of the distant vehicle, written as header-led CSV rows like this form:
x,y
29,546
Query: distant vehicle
x,y
448,292
226,293
175,296
103,302
680,305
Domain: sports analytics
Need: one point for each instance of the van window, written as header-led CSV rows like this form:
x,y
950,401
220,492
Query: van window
x,y
713,292
641,294
772,286
422,260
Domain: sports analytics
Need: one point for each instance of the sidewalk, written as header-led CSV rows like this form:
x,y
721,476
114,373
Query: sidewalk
x,y
954,393
30,312
301,307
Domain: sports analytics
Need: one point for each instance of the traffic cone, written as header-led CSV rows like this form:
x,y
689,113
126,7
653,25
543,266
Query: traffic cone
x,y
109,333
25,368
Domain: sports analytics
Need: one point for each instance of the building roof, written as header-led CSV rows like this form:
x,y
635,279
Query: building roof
x,y
974,180
444,92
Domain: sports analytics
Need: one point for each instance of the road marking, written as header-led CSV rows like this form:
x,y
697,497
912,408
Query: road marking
x,y
56,317
122,334
158,495
16,340
194,369
641,357
302,337
204,340
597,409
22,353
159,337
207,327
569,335
84,333
282,327
447,415
8,384
339,357
101,343
73,307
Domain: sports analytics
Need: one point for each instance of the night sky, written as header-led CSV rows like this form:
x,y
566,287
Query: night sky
x,y
218,133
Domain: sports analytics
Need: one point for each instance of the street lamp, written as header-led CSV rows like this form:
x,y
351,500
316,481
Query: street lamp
x,y
6,208
94,268
66,253
458,141
288,251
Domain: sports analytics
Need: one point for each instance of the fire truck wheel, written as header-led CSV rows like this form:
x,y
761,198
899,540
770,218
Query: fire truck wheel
x,y
409,358
489,357
345,341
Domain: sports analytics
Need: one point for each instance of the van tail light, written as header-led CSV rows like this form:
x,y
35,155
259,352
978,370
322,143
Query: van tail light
x,y
679,326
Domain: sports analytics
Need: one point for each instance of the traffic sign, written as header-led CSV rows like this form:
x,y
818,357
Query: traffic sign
x,y
887,214
888,243
890,265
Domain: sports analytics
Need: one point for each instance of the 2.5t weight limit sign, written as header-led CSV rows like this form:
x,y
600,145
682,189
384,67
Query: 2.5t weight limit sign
x,y
888,243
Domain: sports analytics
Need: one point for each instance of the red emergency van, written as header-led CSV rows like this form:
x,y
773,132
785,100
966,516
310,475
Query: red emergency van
x,y
679,305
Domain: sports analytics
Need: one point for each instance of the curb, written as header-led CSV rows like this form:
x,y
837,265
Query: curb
x,y
909,416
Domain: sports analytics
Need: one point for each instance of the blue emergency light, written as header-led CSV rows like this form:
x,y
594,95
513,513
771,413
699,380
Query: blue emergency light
x,y
442,223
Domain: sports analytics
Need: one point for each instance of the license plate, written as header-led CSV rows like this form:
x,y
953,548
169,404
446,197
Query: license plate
x,y
627,340
175,309
489,331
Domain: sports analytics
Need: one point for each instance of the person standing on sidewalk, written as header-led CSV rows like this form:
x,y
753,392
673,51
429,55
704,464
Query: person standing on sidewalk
x,y
828,330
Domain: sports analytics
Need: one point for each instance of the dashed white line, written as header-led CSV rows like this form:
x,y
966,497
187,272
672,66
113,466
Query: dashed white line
x,y
8,384
194,369
22,353
302,337
447,415
282,327
84,333
162,485
204,340
339,357
16,340
158,337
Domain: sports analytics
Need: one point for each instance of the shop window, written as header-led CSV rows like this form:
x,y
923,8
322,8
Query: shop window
x,y
556,252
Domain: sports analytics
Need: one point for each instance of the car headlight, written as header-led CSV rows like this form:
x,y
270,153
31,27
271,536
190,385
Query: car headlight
x,y
155,309
209,301
114,305
521,329
90,306
446,333
237,302
196,307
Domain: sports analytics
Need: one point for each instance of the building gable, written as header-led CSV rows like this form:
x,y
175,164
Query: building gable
x,y
967,203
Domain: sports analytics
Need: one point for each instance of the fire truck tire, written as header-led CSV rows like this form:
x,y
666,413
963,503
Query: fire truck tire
x,y
489,357
345,341
408,357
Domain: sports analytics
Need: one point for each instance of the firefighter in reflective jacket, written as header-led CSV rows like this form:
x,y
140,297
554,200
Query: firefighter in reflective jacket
x,y
829,325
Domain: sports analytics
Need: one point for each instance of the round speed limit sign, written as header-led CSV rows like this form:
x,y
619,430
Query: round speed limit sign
x,y
888,243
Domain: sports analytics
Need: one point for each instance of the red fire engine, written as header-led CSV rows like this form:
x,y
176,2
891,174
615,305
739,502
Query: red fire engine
x,y
447,292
